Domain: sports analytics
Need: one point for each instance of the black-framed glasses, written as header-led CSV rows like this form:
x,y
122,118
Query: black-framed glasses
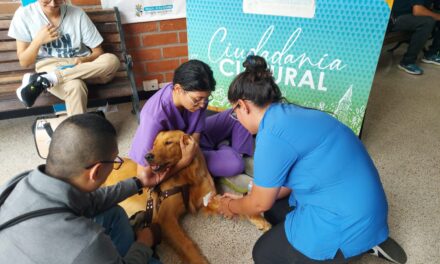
x,y
56,1
233,114
117,163
199,101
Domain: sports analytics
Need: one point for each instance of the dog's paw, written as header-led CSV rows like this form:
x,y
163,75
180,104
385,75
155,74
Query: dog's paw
x,y
260,223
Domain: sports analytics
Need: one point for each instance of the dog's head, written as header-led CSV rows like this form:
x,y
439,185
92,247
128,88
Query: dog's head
x,y
166,150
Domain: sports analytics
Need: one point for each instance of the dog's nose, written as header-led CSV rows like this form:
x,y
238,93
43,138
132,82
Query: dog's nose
x,y
149,157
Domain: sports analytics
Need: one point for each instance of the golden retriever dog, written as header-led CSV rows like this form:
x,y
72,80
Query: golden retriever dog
x,y
169,206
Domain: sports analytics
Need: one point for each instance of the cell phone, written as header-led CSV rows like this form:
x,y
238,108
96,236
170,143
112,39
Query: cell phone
x,y
65,66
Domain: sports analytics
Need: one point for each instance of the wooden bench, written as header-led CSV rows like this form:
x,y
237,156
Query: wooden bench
x,y
108,23
398,37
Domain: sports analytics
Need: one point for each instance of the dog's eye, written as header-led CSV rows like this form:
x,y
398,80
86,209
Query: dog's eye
x,y
168,142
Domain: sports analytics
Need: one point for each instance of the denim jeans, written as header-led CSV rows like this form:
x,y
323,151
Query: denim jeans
x,y
116,225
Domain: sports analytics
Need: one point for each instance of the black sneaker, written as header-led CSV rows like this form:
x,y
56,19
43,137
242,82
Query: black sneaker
x,y
31,87
389,250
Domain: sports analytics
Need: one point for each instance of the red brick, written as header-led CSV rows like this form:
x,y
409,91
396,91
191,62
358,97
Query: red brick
x,y
133,42
138,69
146,54
159,39
138,80
174,24
176,51
161,66
183,60
86,2
131,29
183,37
159,77
169,76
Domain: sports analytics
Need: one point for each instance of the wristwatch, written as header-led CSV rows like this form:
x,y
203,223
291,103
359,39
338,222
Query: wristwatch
x,y
139,185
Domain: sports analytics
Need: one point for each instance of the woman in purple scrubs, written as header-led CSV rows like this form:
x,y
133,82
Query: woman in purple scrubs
x,y
181,105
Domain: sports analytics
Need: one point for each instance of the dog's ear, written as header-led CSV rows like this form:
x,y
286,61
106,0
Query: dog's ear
x,y
185,139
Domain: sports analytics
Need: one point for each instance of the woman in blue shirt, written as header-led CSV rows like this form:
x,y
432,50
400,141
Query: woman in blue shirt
x,y
337,209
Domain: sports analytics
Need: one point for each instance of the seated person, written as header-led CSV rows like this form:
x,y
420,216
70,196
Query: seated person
x,y
66,47
418,17
90,227
181,106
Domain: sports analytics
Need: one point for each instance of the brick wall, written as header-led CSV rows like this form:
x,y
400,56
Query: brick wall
x,y
157,47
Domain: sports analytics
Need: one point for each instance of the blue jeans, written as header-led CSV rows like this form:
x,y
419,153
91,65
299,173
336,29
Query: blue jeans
x,y
116,225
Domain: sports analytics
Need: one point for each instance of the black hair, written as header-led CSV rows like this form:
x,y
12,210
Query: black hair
x,y
255,84
78,142
195,75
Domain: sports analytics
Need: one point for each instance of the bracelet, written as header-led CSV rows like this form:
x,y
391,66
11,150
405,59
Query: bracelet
x,y
228,206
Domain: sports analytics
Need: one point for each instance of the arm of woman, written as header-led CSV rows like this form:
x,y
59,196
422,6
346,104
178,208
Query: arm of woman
x,y
196,137
189,147
258,201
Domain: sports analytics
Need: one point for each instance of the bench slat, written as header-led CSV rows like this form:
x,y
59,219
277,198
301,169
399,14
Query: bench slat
x,y
102,17
107,27
392,37
112,47
10,67
5,21
111,37
4,35
8,45
8,56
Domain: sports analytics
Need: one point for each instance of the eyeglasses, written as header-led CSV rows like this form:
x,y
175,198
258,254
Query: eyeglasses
x,y
233,114
203,100
55,1
117,163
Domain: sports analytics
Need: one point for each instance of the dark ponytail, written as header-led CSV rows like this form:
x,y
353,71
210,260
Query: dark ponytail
x,y
255,84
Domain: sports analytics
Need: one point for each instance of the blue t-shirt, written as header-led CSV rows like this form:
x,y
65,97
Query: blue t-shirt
x,y
340,202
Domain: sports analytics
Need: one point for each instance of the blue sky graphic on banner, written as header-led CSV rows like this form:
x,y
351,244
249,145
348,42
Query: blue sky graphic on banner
x,y
323,53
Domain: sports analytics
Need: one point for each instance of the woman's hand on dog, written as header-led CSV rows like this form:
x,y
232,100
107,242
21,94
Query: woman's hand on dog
x,y
225,208
189,149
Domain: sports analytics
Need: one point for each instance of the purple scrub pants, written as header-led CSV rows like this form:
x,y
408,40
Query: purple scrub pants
x,y
225,160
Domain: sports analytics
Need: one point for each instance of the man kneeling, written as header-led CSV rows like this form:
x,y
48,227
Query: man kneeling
x,y
74,220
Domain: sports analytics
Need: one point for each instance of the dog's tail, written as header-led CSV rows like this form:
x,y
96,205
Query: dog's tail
x,y
181,242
